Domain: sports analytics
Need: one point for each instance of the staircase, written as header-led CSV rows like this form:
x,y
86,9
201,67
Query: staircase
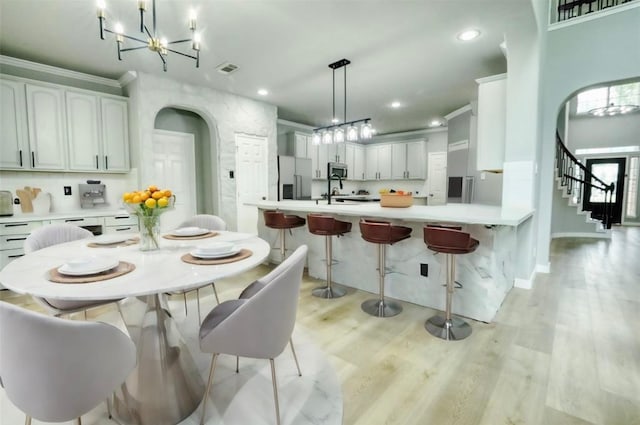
x,y
571,178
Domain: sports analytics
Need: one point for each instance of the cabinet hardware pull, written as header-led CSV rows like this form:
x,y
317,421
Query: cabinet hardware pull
x,y
106,162
97,163
20,156
73,219
15,256
122,217
15,239
33,159
123,229
15,225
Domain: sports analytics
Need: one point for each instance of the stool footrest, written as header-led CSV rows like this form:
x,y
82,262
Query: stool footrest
x,y
450,330
381,308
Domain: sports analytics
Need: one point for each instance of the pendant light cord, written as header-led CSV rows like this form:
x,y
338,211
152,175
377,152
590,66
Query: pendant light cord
x,y
334,97
345,94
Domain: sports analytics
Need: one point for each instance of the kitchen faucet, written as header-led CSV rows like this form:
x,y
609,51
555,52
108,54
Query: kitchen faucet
x,y
332,177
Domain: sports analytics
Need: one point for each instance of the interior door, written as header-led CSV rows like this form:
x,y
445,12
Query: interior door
x,y
437,178
174,168
252,182
608,170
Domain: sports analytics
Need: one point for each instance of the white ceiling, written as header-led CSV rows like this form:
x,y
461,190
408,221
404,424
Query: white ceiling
x,y
400,50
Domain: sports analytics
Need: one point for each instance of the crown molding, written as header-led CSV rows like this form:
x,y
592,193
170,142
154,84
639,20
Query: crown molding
x,y
48,69
295,124
491,78
127,77
457,112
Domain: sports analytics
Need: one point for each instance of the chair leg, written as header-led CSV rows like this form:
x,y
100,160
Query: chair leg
x,y
27,420
283,248
237,364
198,298
328,291
184,294
206,392
109,407
381,307
78,421
293,350
275,390
215,292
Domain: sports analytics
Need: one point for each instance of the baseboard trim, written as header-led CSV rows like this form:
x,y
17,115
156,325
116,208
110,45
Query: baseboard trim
x,y
543,268
525,283
604,235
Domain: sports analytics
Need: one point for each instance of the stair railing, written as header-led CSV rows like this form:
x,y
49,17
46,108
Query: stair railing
x,y
575,176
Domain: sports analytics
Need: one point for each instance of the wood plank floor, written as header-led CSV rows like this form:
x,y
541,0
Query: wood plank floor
x,y
565,352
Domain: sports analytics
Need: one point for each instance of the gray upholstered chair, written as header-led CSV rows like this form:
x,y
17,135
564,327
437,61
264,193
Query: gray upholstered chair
x,y
55,234
56,370
259,326
204,221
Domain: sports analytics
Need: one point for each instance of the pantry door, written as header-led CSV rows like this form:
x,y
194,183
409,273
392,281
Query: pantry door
x,y
174,168
437,178
252,179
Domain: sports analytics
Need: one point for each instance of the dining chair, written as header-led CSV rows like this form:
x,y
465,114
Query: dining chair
x,y
55,234
259,326
55,370
209,222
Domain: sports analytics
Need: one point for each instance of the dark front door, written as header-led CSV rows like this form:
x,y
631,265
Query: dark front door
x,y
608,170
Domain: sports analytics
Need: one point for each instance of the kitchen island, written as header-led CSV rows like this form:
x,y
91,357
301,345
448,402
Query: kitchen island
x,y
486,275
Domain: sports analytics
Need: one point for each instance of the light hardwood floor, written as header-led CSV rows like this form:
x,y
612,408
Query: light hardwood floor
x,y
565,352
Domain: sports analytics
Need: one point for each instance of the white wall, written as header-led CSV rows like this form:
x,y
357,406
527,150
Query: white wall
x,y
225,114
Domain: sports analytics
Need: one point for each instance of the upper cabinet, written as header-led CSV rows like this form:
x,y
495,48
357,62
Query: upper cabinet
x,y
492,112
336,152
408,160
14,145
354,158
53,128
378,162
45,118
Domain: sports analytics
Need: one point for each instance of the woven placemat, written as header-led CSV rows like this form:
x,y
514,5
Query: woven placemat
x,y
186,238
122,268
244,253
128,242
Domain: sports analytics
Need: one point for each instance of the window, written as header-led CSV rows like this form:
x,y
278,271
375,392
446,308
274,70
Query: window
x,y
608,173
632,188
624,94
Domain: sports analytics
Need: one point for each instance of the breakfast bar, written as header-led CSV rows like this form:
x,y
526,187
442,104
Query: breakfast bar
x,y
486,275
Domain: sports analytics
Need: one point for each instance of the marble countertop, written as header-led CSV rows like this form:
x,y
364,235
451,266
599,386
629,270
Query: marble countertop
x,y
450,213
87,213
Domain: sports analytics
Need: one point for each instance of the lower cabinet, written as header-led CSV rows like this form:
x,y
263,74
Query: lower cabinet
x,y
12,237
121,223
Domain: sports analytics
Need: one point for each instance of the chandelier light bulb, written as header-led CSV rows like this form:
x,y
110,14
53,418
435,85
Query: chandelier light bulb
x,y
118,28
352,133
192,19
335,120
195,45
316,138
327,137
338,135
142,4
365,130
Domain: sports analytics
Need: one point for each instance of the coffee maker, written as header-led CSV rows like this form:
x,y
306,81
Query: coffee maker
x,y
91,194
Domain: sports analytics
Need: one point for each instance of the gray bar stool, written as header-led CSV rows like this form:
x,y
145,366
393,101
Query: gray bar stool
x,y
449,241
327,226
382,233
282,222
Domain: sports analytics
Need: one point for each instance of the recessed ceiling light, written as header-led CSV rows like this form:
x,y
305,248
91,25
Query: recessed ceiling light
x,y
263,92
435,123
395,104
468,35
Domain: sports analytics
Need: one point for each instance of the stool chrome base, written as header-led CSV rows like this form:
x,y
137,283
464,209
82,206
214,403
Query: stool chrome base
x,y
454,329
380,308
327,292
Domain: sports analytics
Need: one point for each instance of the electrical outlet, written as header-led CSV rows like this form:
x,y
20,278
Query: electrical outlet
x,y
424,269
67,190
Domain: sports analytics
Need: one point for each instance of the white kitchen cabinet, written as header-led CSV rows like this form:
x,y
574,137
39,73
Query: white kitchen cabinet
x,y
83,131
336,152
408,160
323,159
378,162
301,144
14,146
12,237
46,123
121,223
354,158
492,113
115,134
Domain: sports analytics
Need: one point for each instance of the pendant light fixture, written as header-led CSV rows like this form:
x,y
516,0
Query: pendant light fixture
x,y
338,131
153,41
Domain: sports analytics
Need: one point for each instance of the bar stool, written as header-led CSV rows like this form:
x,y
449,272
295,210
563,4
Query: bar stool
x,y
383,234
327,226
281,221
449,241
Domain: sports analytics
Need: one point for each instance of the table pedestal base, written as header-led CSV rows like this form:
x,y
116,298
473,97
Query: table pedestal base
x,y
165,387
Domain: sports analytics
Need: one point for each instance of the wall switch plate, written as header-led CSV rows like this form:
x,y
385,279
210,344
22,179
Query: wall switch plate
x,y
231,174
424,269
67,190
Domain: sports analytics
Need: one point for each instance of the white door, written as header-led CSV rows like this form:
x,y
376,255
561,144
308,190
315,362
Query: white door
x,y
252,183
371,162
398,161
384,162
45,118
115,134
174,169
437,180
82,131
416,160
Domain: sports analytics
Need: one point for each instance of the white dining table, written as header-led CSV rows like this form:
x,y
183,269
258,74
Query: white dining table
x,y
165,387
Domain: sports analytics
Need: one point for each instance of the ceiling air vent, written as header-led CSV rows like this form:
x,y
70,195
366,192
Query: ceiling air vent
x,y
226,68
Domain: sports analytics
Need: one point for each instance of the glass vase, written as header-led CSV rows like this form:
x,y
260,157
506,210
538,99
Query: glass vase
x,y
149,232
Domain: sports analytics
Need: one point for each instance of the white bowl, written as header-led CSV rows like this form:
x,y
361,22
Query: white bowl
x,y
79,263
189,231
213,248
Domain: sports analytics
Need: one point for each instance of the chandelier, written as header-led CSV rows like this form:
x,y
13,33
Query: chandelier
x,y
153,42
338,131
613,110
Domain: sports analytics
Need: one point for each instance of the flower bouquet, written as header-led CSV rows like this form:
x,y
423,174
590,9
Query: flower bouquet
x,y
148,205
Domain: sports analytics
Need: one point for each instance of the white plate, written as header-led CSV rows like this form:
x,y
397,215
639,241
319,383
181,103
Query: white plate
x,y
109,239
212,248
83,267
207,256
189,231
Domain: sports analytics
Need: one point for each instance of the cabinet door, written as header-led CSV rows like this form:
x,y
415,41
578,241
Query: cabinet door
x,y
45,113
384,162
312,152
371,162
416,160
300,142
358,167
492,112
115,135
340,152
14,149
82,128
398,161
323,153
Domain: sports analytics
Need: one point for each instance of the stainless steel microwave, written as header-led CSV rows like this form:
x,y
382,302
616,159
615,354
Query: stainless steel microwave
x,y
337,170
